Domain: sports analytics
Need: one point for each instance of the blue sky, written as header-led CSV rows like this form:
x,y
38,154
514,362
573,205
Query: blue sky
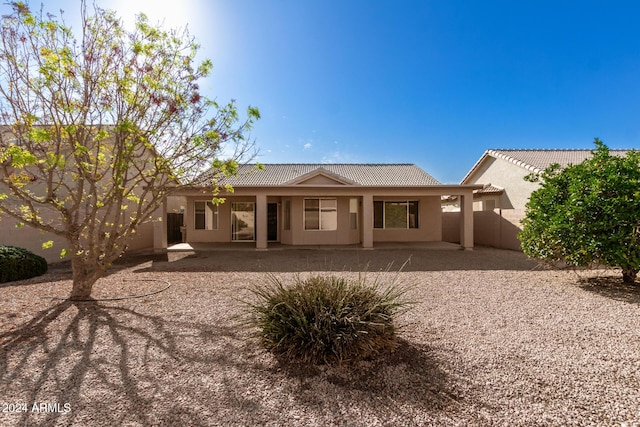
x,y
434,83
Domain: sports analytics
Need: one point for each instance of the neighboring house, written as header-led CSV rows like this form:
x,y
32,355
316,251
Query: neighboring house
x,y
503,171
326,204
31,239
149,234
505,192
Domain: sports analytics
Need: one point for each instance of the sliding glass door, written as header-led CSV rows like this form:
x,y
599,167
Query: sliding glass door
x,y
243,220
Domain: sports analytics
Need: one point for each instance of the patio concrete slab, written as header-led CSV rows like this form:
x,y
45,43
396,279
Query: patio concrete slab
x,y
251,246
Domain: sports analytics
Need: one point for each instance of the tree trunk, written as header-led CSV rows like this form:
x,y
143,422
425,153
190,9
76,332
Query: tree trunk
x,y
629,275
85,275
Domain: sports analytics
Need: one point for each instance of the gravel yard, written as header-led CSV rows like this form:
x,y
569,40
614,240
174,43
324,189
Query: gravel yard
x,y
493,339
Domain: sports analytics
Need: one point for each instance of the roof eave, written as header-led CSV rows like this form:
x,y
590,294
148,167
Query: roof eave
x,y
496,154
453,188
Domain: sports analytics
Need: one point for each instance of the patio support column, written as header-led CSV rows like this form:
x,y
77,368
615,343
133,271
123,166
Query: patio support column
x,y
160,228
261,222
466,221
367,221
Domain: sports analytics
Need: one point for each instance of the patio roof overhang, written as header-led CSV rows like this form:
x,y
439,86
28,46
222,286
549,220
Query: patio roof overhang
x,y
337,190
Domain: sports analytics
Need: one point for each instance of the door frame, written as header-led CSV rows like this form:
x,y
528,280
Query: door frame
x,y
254,222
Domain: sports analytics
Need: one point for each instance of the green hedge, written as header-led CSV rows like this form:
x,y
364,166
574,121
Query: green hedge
x,y
18,264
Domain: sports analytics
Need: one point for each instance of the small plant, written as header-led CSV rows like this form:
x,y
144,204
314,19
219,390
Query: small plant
x,y
18,264
326,319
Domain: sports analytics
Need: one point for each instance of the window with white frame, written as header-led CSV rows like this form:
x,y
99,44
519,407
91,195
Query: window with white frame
x,y
320,214
206,215
395,215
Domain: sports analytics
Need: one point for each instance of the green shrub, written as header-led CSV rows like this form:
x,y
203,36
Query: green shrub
x,y
17,264
326,319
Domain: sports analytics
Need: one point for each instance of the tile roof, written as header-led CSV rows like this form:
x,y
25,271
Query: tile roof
x,y
539,159
490,189
377,175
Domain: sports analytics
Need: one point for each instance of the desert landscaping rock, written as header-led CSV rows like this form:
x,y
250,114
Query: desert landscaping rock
x,y
493,339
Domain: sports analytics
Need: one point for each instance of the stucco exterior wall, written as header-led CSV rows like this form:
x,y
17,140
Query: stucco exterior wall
x,y
429,222
507,175
31,239
220,235
296,235
343,235
451,227
286,236
176,204
498,228
144,237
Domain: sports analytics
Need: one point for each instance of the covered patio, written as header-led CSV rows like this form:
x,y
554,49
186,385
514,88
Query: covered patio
x,y
332,206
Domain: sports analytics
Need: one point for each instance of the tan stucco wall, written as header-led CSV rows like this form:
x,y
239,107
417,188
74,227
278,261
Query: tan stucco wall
x,y
32,239
286,236
295,236
176,204
429,222
223,233
497,228
507,175
343,235
144,237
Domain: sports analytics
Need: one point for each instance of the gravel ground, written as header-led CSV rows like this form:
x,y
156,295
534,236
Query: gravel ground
x,y
492,340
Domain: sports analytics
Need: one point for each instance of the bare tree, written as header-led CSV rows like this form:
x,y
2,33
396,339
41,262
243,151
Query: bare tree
x,y
97,131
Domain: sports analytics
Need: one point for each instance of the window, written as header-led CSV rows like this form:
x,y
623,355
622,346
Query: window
x,y
287,215
396,215
353,213
320,214
378,214
206,215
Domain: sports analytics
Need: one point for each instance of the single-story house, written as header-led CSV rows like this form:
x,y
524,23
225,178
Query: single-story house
x,y
325,204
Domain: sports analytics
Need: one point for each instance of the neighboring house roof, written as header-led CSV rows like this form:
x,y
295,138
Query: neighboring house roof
x,y
538,160
374,175
490,189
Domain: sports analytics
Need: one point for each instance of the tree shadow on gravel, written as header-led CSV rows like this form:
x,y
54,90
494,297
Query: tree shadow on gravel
x,y
108,363
116,365
612,287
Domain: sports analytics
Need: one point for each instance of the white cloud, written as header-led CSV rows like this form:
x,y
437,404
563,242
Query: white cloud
x,y
336,157
307,145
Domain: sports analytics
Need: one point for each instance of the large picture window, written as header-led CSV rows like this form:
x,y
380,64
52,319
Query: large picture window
x,y
395,215
206,215
320,214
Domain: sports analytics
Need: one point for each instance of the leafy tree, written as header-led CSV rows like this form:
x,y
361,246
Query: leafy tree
x,y
587,214
97,129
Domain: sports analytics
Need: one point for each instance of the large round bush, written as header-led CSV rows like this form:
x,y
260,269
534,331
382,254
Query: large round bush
x,y
326,319
18,263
